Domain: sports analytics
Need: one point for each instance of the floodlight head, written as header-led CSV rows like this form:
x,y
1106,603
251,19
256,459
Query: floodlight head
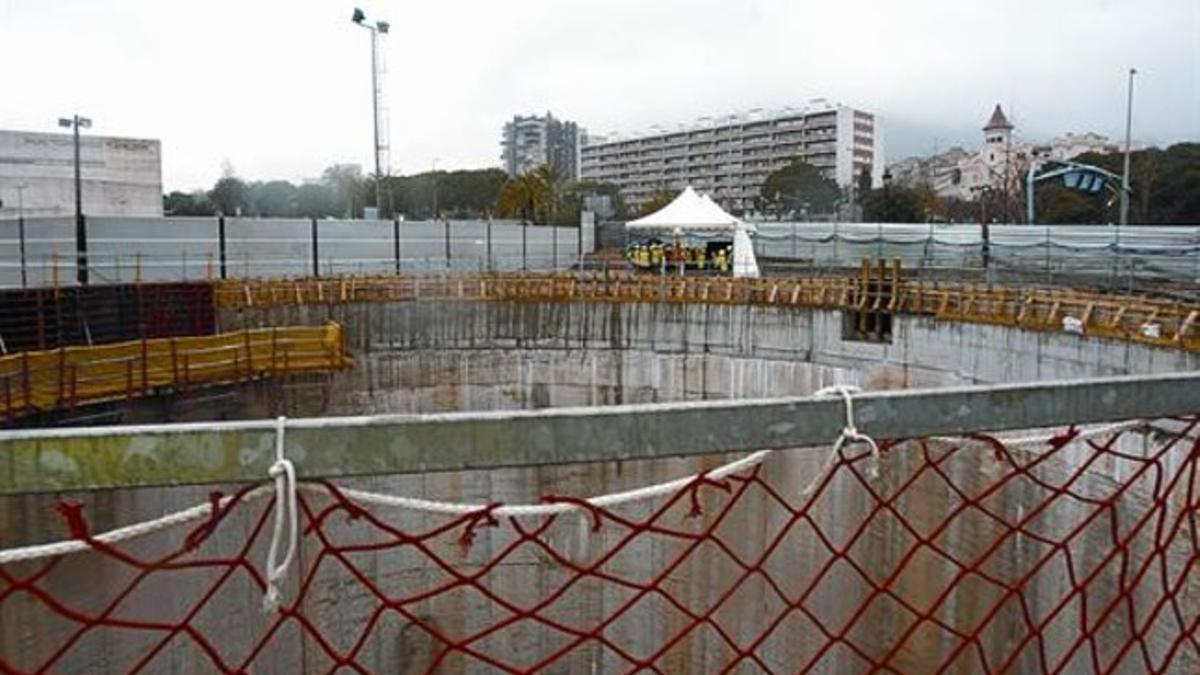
x,y
382,26
83,122
358,16
64,122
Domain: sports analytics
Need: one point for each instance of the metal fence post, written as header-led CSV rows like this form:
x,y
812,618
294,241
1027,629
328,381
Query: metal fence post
x,y
1048,274
81,261
579,245
930,245
221,243
316,251
396,242
1196,257
836,262
446,236
1116,247
489,242
524,246
554,246
794,242
985,251
21,238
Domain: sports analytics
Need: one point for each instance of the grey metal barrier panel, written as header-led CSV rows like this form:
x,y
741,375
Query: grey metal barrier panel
x,y
354,246
153,249
1164,251
468,244
49,246
269,247
422,240
35,461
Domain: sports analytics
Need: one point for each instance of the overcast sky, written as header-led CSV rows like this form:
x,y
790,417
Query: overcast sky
x,y
281,88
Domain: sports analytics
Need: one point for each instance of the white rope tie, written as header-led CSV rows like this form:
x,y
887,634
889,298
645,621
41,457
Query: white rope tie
x,y
850,433
284,474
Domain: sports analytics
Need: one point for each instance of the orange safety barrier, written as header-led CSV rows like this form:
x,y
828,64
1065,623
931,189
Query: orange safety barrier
x,y
69,376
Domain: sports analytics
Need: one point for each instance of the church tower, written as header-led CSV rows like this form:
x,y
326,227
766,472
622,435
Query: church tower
x,y
997,134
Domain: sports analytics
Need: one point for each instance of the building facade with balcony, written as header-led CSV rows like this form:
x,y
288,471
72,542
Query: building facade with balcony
x,y
528,142
730,158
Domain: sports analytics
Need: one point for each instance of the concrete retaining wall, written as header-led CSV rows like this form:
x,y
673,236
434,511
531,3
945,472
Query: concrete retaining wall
x,y
682,352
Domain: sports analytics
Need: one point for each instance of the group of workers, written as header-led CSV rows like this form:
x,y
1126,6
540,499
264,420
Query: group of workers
x,y
655,255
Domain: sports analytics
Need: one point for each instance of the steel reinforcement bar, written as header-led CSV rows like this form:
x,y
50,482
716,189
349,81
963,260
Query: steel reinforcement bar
x,y
223,452
1155,321
67,377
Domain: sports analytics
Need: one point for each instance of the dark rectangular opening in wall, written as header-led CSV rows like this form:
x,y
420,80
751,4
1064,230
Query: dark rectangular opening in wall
x,y
867,326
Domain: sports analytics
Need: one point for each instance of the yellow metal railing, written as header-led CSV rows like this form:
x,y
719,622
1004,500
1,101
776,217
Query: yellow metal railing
x,y
71,376
1156,321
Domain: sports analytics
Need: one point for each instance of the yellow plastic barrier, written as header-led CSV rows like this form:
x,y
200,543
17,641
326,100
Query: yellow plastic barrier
x,y
63,378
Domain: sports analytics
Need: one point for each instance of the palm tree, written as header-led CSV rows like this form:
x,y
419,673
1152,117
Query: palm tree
x,y
532,196
657,200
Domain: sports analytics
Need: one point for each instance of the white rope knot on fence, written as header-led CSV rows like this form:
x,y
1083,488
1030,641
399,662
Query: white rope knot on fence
x,y
850,433
284,474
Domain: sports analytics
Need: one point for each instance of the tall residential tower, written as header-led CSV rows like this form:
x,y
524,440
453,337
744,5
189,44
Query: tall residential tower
x,y
528,142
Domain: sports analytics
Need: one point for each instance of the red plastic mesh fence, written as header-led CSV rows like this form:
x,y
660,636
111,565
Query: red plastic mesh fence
x,y
961,556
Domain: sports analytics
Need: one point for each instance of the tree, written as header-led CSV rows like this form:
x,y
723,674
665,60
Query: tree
x,y
893,204
532,197
1165,182
276,198
658,199
229,196
315,200
863,180
346,184
800,187
1057,204
573,196
187,204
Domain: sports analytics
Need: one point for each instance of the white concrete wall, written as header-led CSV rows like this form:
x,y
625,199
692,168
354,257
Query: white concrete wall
x,y
120,176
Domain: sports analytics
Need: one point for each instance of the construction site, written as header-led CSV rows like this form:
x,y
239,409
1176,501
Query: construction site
x,y
293,446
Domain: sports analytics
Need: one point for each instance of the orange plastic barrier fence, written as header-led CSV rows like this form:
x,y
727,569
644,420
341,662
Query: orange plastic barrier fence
x,y
70,376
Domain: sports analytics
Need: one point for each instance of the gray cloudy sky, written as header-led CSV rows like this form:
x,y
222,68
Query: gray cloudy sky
x,y
281,88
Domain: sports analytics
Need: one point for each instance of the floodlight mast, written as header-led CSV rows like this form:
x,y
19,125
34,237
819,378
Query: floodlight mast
x,y
380,28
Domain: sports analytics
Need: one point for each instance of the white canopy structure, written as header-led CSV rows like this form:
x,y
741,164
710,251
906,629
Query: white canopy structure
x,y
692,213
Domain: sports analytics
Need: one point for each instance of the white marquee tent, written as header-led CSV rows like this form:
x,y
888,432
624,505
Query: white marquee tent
x,y
692,213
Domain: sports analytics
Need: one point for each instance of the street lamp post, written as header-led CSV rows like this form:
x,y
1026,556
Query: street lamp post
x,y
887,194
1128,131
75,123
380,28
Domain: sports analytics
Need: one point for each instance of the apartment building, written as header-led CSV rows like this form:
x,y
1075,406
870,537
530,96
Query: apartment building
x,y
730,158
530,141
